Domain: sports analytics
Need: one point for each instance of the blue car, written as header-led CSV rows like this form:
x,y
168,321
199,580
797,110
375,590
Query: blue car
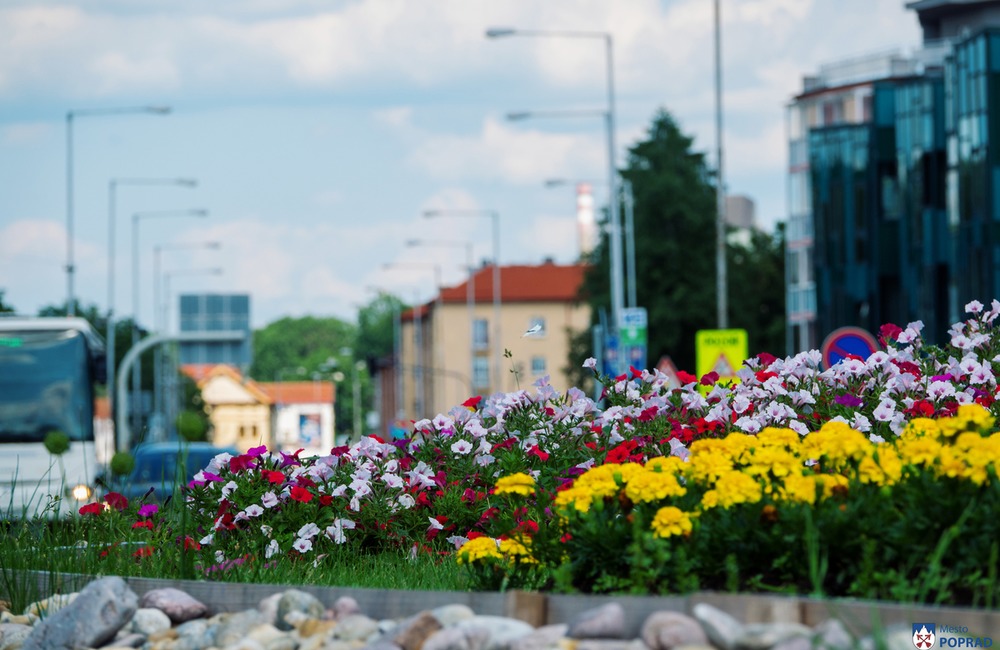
x,y
158,465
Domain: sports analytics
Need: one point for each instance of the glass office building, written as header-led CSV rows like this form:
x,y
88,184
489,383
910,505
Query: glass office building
x,y
894,190
216,313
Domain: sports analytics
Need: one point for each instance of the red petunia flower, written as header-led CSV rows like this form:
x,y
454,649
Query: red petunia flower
x,y
273,477
301,495
116,500
472,402
91,509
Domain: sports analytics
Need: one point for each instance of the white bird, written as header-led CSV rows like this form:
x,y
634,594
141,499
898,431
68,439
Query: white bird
x,y
534,329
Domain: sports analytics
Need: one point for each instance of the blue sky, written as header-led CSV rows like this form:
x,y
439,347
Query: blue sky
x,y
319,132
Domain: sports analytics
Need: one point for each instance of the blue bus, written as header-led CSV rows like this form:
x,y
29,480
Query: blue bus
x,y
48,369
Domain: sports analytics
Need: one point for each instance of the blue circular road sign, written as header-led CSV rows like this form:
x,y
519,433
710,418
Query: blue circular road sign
x,y
846,341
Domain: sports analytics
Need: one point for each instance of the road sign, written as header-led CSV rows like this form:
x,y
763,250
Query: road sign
x,y
633,336
847,341
721,351
667,367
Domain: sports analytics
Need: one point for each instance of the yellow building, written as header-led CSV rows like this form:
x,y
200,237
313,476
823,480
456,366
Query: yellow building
x,y
284,416
449,350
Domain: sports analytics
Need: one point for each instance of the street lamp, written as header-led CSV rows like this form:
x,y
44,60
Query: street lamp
x,y
615,237
112,238
397,359
160,309
70,116
470,293
495,216
136,218
163,386
418,367
629,200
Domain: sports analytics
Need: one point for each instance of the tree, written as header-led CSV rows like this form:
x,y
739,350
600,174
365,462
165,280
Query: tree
x,y
4,307
756,277
377,328
674,218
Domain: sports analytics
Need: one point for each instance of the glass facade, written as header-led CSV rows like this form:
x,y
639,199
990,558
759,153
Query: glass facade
x,y
895,211
216,313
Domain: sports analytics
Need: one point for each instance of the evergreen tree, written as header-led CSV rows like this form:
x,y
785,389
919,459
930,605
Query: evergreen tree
x,y
674,216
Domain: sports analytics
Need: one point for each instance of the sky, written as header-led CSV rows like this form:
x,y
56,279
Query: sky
x,y
320,131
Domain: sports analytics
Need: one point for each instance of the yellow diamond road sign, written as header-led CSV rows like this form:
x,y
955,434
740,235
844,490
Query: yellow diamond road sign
x,y
721,351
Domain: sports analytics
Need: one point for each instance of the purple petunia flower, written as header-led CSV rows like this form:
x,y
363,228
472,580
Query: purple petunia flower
x,y
849,400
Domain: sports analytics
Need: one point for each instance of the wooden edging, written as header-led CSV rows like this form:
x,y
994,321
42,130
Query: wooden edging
x,y
537,609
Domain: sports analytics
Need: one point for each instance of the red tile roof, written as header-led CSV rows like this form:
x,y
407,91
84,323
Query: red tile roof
x,y
547,282
299,392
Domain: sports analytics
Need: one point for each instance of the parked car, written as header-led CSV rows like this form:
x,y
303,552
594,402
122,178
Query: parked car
x,y
158,465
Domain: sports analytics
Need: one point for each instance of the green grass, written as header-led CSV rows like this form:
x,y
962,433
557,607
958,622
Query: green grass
x,y
68,546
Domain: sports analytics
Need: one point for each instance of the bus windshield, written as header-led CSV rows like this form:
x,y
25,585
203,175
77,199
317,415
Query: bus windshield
x,y
45,385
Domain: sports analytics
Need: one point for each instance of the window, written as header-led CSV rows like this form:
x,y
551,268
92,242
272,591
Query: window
x,y
480,373
480,334
537,366
536,326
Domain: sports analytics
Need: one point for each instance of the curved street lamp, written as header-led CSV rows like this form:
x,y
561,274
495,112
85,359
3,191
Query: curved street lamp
x,y
70,116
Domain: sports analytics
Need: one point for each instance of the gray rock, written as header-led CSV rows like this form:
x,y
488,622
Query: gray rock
x,y
147,621
604,622
502,631
230,628
412,634
293,600
179,605
895,637
49,606
457,638
381,644
721,629
355,627
92,619
12,635
832,635
449,615
762,636
268,607
610,644
666,630
129,640
345,606
546,637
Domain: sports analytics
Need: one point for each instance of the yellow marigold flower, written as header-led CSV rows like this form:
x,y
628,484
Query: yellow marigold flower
x,y
832,484
653,486
707,467
969,417
799,488
775,437
710,499
735,487
921,427
478,549
736,443
518,550
837,442
578,497
889,462
670,521
775,461
951,463
922,450
668,464
519,483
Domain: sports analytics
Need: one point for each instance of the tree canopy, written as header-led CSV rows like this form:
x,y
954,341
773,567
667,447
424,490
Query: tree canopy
x,y
674,220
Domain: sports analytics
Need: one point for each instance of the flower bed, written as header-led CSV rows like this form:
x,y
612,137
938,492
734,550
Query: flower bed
x,y
876,478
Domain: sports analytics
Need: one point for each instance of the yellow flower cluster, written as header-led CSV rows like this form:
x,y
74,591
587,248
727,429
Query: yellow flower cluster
x,y
773,466
519,483
488,549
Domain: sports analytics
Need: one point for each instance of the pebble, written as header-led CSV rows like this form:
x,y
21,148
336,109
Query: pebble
x,y
108,615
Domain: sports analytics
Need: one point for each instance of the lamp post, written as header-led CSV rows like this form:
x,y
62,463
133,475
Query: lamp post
x,y
160,309
112,238
70,116
470,293
615,237
418,367
397,359
495,216
165,387
137,217
721,285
